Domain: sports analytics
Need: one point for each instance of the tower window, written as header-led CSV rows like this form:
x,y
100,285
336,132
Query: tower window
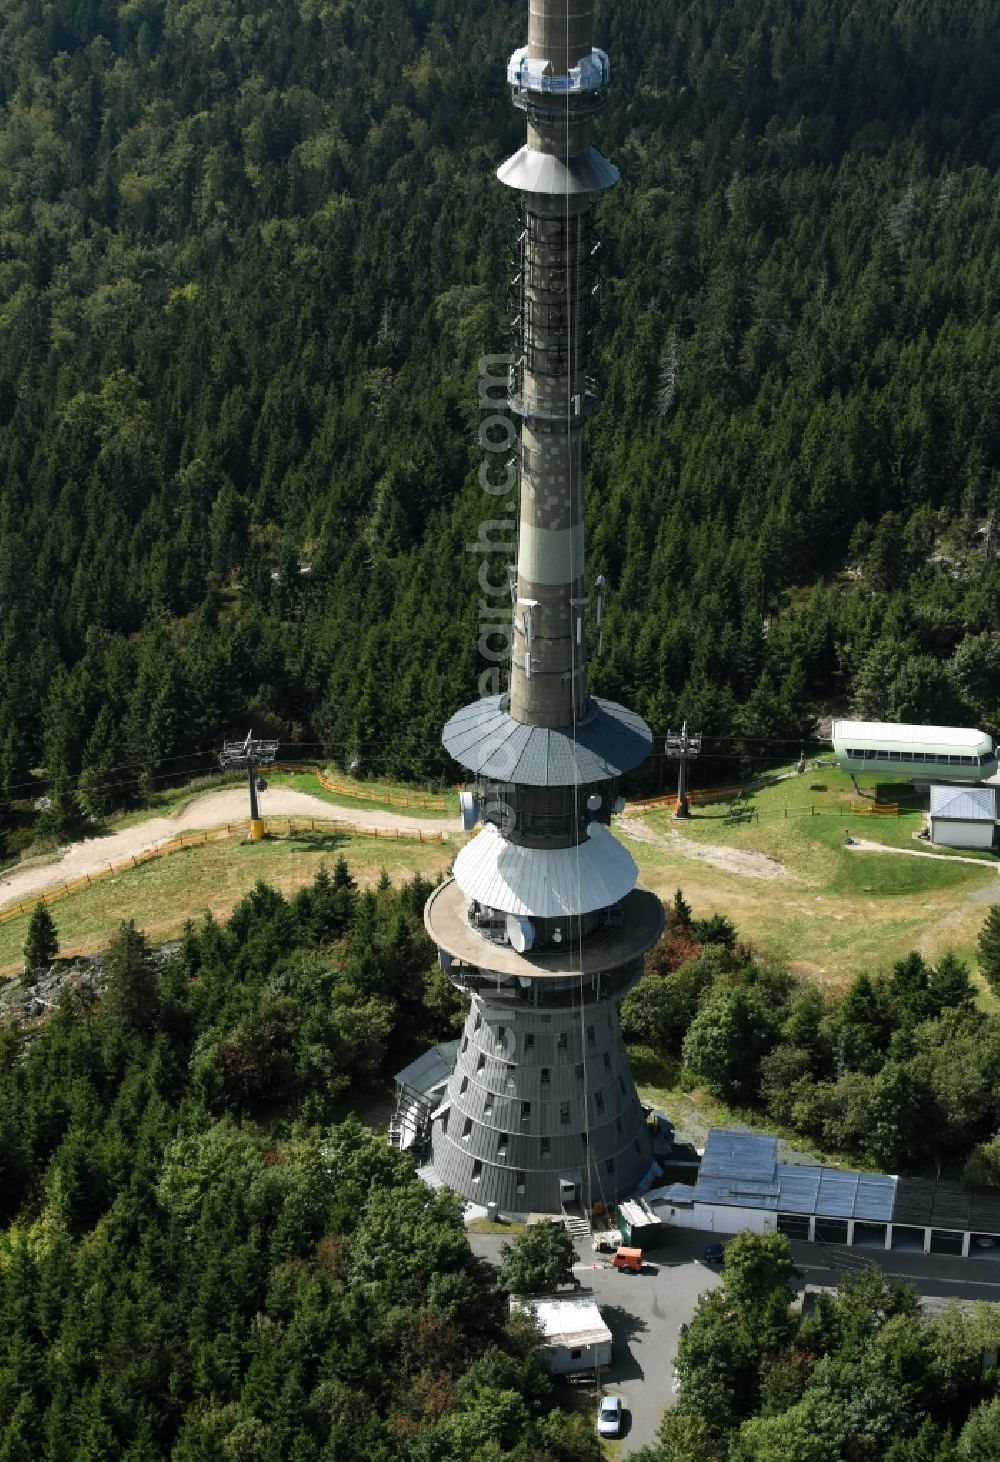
x,y
599,1100
444,1123
501,1034
465,1043
525,1112
488,1106
583,1138
464,1087
545,1076
521,1182
467,1129
529,1041
502,1144
478,1021
590,1035
562,1043
481,1063
477,1170
546,1146
564,1112
610,1164
579,1071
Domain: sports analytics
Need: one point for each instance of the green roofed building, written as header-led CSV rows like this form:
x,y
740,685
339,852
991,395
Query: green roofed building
x,y
919,753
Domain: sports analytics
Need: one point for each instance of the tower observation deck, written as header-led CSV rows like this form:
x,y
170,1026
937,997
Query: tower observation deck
x,y
543,925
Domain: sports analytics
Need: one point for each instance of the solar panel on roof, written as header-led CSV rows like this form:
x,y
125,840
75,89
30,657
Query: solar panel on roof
x,y
739,1170
740,1154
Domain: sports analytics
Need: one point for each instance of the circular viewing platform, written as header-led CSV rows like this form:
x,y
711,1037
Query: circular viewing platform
x,y
615,943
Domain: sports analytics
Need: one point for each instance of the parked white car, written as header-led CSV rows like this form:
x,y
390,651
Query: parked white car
x,y
609,1416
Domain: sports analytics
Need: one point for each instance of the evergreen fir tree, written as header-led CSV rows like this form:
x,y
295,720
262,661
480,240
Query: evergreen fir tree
x,y
342,876
42,943
681,911
989,948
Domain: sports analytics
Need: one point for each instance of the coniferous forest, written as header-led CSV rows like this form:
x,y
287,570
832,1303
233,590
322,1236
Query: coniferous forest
x,y
250,256
201,1259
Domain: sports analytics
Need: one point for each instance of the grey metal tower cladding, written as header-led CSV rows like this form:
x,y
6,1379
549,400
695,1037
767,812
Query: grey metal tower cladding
x,y
543,924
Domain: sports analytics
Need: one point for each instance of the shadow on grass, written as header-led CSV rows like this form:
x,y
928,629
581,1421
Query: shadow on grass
x,y
326,840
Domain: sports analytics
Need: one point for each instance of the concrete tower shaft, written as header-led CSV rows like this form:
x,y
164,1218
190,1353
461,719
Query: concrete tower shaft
x,y
560,32
557,81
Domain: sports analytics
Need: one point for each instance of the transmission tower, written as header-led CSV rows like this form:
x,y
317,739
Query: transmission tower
x,y
251,754
682,746
543,926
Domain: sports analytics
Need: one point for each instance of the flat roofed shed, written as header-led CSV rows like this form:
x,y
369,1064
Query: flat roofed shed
x,y
570,1320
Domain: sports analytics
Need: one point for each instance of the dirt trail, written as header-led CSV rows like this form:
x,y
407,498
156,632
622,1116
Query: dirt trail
x,y
864,846
741,861
215,809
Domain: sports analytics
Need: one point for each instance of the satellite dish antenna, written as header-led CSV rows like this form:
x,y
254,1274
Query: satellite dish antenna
x,y
520,932
470,809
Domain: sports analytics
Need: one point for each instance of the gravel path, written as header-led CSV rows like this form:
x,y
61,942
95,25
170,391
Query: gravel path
x,y
215,809
864,846
741,861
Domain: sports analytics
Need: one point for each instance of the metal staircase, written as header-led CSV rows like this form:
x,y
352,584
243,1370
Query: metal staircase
x,y
410,1125
576,1222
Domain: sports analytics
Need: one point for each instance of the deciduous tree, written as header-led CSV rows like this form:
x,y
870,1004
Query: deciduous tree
x,y
538,1260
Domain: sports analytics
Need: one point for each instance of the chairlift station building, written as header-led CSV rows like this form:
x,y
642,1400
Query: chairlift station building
x,y
543,925
920,753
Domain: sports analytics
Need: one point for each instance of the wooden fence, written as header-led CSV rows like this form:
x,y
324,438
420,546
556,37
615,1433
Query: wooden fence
x,y
358,791
198,839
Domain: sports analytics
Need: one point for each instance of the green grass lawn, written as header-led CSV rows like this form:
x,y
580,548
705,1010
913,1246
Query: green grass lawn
x,y
839,910
161,894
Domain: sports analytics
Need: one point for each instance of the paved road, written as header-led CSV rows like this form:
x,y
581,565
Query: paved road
x,y
931,1274
645,1312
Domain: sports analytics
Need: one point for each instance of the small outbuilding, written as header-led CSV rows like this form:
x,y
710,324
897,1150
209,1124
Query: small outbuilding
x,y
575,1335
963,817
638,1223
